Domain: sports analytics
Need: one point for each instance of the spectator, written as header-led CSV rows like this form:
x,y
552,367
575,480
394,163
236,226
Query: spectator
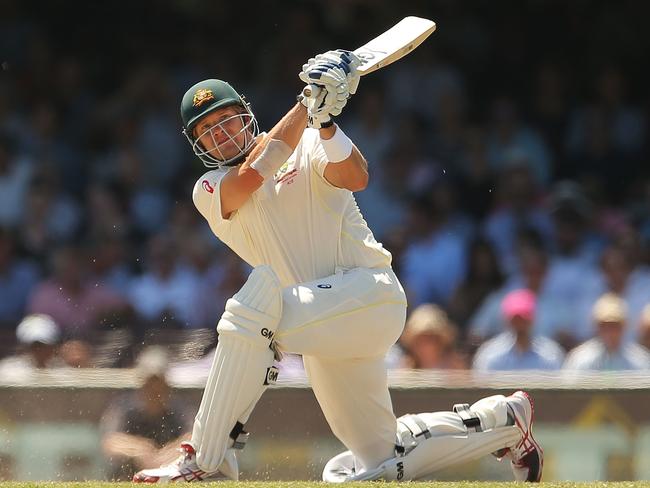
x,y
517,348
549,104
607,351
573,241
15,175
477,178
621,275
51,218
449,137
110,264
606,137
510,141
77,305
483,278
644,328
164,294
219,275
572,269
550,315
77,353
429,340
517,209
106,215
371,128
431,81
433,263
17,278
38,337
142,429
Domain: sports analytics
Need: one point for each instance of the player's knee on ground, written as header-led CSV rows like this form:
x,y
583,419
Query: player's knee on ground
x,y
429,442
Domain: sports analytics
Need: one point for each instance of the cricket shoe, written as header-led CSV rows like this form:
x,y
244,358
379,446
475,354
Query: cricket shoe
x,y
526,457
183,470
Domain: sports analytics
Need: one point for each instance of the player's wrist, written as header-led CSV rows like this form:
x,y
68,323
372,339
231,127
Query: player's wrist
x,y
338,147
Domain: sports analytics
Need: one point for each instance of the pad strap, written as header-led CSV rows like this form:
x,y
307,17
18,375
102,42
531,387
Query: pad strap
x,y
239,436
469,418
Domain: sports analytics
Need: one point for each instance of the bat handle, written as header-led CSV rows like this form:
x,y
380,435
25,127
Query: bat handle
x,y
311,91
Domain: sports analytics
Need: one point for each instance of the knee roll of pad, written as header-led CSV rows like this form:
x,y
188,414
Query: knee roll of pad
x,y
254,312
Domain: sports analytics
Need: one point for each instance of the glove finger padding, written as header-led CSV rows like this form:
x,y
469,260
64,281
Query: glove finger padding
x,y
327,74
340,56
346,60
332,104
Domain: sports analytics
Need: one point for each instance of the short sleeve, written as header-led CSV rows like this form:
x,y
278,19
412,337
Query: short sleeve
x,y
206,196
314,151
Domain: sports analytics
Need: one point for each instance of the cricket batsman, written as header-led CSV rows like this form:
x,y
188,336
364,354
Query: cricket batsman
x,y
322,287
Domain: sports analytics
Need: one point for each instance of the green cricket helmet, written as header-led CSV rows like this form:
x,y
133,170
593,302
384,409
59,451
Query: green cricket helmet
x,y
206,97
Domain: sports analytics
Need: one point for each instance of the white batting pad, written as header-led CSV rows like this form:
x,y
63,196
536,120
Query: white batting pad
x,y
241,367
442,440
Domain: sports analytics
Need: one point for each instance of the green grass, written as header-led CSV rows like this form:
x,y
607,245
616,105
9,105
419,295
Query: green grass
x,y
307,484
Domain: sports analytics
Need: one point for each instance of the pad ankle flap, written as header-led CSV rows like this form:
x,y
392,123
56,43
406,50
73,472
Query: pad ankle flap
x,y
415,425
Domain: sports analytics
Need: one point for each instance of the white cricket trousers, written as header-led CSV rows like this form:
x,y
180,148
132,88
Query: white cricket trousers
x,y
343,325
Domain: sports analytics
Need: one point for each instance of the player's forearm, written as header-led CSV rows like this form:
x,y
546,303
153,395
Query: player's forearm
x,y
263,161
288,130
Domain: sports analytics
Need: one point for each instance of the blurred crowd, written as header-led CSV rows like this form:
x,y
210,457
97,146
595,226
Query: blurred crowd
x,y
508,177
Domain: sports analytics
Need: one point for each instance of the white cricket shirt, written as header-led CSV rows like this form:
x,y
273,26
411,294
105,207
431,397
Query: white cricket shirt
x,y
297,222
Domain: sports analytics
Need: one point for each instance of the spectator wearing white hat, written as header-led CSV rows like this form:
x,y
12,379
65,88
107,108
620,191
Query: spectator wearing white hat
x,y
429,340
38,337
608,351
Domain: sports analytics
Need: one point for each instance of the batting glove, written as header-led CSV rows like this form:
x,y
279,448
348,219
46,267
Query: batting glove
x,y
346,60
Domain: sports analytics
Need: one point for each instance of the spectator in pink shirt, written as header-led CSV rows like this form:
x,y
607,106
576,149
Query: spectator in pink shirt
x,y
77,305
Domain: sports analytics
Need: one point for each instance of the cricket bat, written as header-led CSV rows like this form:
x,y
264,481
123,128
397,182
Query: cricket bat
x,y
388,47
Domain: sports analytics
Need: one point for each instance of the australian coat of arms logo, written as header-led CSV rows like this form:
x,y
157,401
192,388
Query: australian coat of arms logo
x,y
201,96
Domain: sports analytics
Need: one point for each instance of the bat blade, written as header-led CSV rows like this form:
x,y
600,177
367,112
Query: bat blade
x,y
388,47
394,44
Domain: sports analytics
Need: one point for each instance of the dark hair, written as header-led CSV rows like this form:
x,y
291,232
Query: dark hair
x,y
7,143
481,244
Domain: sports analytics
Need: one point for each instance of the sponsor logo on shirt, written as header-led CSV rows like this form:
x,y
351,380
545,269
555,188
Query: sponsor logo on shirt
x,y
207,187
324,286
283,175
288,178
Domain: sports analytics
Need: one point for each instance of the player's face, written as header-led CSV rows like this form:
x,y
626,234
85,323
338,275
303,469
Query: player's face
x,y
223,133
